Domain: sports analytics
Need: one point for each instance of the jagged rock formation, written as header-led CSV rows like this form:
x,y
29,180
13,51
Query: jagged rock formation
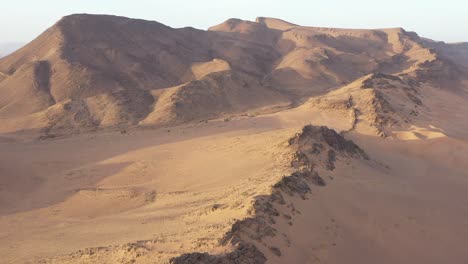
x,y
89,71
326,147
244,253
314,148
380,101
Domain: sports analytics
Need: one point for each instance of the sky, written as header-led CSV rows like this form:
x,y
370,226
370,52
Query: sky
x,y
22,21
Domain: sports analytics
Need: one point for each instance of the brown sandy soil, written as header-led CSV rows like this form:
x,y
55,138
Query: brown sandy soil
x,y
179,190
186,186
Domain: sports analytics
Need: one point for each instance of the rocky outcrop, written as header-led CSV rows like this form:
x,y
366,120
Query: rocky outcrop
x,y
321,146
379,101
313,148
390,101
312,152
380,80
330,137
244,253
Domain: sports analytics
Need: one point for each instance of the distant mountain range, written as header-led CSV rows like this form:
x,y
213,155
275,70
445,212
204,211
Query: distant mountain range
x,y
88,72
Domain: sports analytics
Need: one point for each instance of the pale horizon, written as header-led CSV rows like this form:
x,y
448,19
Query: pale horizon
x,y
437,21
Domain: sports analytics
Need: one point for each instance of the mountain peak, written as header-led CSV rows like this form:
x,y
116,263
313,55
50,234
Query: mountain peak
x,y
275,23
234,25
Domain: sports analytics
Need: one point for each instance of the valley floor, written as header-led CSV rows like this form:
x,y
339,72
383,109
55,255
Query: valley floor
x,y
149,195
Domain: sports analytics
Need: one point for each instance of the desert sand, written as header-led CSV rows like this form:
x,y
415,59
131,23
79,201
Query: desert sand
x,y
252,142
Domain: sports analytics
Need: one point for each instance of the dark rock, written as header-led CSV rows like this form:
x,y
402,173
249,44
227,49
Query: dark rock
x,y
317,180
330,137
276,251
244,254
294,184
331,160
300,159
254,228
379,80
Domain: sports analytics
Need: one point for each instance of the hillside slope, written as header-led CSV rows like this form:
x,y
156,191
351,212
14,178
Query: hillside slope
x,y
90,72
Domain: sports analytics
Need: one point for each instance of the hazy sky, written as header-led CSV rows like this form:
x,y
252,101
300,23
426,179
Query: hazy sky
x,y
21,21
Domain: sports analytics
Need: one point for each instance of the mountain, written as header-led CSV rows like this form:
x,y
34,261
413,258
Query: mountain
x,y
90,72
